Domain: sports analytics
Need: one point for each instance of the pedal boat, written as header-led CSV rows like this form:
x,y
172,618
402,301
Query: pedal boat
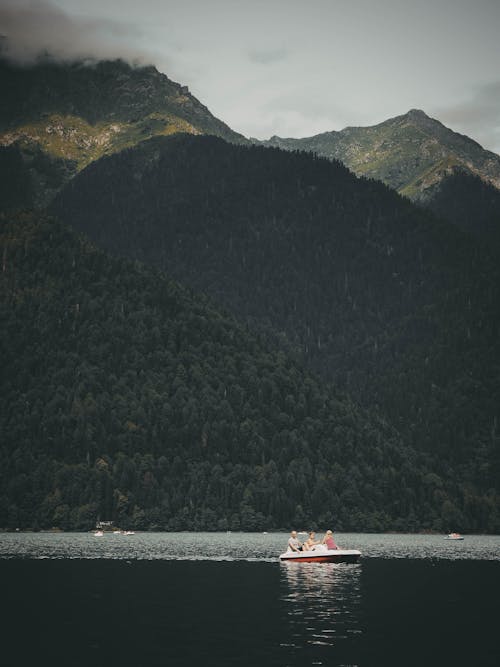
x,y
320,554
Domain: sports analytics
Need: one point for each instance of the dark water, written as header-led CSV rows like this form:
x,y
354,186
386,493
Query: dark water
x,y
88,610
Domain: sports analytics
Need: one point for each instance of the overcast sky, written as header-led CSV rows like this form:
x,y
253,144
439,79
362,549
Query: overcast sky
x,y
288,67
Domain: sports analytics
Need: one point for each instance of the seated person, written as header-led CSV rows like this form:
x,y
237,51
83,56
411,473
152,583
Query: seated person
x,y
329,541
293,542
311,542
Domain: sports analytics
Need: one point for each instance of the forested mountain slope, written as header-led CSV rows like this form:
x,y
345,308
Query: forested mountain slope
x,y
471,203
124,397
55,118
399,309
410,153
420,158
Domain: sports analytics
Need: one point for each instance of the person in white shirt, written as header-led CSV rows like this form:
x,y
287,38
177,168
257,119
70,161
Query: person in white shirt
x,y
293,543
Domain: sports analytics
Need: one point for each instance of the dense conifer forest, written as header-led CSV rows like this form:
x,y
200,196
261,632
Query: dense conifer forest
x,y
397,308
125,397
471,203
330,354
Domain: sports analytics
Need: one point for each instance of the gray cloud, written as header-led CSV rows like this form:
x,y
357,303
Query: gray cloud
x,y
30,28
479,116
268,56
288,67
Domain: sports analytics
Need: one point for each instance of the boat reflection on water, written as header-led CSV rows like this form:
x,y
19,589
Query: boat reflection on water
x,y
322,604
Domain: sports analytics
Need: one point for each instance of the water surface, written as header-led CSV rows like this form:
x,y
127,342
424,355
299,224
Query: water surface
x,y
225,600
236,546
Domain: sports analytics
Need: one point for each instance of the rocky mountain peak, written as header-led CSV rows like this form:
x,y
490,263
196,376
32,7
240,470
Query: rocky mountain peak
x,y
417,114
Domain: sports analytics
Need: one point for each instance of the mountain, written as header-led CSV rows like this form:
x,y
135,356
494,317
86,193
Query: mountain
x,y
395,307
412,153
140,408
55,118
470,202
125,397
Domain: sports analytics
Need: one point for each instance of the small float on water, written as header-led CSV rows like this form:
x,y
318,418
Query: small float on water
x,y
320,554
454,536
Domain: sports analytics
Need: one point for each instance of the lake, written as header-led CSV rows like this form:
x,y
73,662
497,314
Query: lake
x,y
224,599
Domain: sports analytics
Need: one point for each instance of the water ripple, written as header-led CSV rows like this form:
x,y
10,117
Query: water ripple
x,y
224,547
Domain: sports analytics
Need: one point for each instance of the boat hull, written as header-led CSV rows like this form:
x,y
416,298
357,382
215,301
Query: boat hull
x,y
323,556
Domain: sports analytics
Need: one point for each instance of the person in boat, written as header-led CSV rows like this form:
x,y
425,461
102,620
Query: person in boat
x,y
311,542
293,543
328,540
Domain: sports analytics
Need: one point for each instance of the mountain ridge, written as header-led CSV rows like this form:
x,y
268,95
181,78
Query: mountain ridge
x,y
101,90
385,151
56,118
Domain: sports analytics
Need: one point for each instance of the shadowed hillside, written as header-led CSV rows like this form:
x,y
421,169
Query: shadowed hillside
x,y
125,397
471,203
398,309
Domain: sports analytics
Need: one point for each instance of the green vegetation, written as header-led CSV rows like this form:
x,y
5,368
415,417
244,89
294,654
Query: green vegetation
x,y
38,158
473,204
124,397
394,307
411,153
72,138
400,151
106,91
68,115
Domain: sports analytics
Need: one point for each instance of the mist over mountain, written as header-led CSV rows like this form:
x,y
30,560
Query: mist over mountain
x,y
31,31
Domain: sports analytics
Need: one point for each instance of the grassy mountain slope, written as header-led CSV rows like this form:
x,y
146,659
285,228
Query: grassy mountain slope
x,y
410,153
124,397
397,308
72,114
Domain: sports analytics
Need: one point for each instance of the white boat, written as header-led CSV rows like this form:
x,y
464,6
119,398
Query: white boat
x,y
98,533
320,554
454,536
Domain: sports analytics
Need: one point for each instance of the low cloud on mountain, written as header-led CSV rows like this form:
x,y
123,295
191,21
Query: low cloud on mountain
x,y
288,68
31,29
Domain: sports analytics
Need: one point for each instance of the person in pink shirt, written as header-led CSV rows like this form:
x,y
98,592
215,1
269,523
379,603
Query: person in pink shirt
x,y
329,541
